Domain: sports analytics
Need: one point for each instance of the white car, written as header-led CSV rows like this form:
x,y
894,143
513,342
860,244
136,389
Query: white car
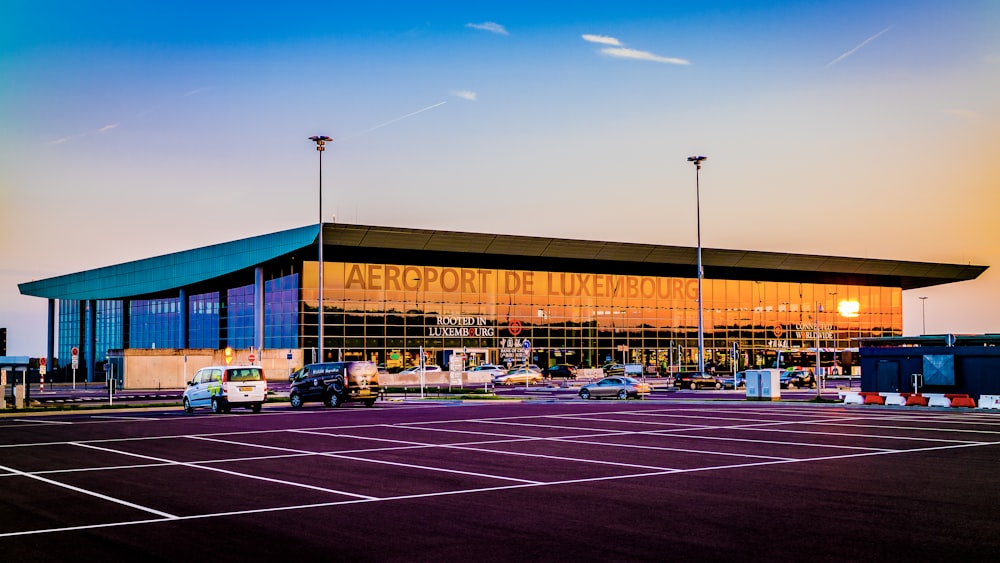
x,y
225,387
490,369
416,369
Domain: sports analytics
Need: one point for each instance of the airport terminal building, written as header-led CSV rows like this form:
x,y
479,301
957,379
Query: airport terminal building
x,y
390,294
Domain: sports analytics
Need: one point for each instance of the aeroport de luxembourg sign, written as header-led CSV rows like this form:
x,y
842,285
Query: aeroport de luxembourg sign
x,y
390,277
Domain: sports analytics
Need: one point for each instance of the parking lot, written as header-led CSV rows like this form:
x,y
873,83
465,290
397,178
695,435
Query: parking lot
x,y
540,480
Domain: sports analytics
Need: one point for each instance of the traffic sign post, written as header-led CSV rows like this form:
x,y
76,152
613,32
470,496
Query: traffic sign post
x,y
527,360
75,355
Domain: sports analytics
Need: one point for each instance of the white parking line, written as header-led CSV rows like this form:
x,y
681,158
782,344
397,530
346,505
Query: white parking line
x,y
90,493
806,416
234,473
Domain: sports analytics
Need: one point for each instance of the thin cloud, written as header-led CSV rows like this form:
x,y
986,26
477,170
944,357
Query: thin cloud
x,y
860,45
626,53
491,27
619,51
107,128
61,141
465,95
197,91
602,39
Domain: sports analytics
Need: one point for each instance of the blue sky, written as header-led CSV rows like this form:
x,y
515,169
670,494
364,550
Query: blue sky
x,y
863,129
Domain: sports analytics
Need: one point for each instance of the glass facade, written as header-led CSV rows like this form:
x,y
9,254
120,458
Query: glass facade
x,y
281,312
388,312
154,323
203,321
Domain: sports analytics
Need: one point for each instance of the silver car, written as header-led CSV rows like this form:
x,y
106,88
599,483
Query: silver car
x,y
616,386
518,376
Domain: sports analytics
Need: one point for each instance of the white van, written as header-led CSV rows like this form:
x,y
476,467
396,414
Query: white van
x,y
224,387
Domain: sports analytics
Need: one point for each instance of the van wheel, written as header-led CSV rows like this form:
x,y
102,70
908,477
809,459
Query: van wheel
x,y
187,406
295,400
216,406
256,407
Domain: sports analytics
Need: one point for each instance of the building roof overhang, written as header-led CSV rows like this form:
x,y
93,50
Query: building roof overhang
x,y
360,243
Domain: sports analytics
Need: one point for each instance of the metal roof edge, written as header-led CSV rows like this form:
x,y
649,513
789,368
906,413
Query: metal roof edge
x,y
170,271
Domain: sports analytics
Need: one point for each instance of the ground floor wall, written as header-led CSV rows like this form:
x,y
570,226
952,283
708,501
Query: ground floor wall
x,y
172,369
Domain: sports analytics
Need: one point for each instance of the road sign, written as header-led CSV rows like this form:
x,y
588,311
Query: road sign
x,y
41,362
252,358
526,344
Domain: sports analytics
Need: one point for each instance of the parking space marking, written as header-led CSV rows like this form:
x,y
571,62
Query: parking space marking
x,y
37,421
775,442
107,416
89,493
341,455
201,465
766,420
847,434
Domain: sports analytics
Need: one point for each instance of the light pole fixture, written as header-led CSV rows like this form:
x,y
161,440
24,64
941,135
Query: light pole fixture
x,y
697,160
923,315
320,141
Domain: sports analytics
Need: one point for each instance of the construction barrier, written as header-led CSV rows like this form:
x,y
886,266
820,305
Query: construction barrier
x,y
989,402
951,400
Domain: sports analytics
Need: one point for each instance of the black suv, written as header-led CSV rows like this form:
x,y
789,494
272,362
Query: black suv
x,y
696,380
334,383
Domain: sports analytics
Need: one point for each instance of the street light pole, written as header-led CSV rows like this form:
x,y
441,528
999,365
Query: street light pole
x,y
923,315
320,141
697,160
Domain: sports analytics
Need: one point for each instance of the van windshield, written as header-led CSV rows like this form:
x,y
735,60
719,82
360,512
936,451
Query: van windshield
x,y
246,374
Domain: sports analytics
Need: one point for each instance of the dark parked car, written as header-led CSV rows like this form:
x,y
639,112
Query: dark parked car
x,y
796,379
560,370
613,369
334,383
740,380
696,380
